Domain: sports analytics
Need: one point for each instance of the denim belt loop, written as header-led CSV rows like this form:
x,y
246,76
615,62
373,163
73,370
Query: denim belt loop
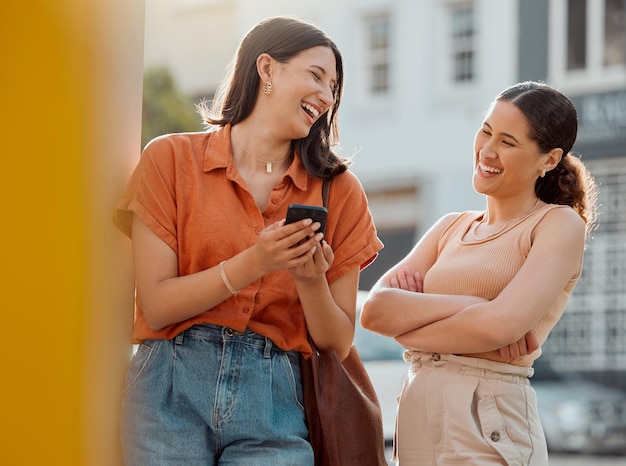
x,y
178,340
267,350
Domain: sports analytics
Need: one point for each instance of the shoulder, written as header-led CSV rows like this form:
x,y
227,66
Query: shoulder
x,y
169,143
346,192
444,226
346,183
169,150
455,218
561,216
560,222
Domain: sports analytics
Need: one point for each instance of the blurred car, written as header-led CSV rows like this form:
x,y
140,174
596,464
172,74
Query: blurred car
x,y
577,416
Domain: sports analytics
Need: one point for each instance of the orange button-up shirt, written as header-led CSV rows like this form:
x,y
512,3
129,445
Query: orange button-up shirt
x,y
187,189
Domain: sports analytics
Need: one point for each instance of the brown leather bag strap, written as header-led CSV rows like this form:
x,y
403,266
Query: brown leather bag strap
x,y
325,192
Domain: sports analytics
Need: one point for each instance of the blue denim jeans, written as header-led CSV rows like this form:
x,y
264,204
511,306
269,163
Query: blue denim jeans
x,y
214,396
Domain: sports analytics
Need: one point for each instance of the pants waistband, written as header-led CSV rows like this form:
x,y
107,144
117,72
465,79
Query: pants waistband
x,y
470,366
220,333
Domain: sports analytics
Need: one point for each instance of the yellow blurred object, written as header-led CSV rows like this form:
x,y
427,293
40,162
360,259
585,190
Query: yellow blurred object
x,y
71,120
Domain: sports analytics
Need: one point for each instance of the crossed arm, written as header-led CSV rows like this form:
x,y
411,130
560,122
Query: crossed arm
x,y
397,306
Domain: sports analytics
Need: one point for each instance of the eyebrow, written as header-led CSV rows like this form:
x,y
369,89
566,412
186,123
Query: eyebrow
x,y
503,134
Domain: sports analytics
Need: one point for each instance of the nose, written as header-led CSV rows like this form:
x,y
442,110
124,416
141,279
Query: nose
x,y
487,151
327,97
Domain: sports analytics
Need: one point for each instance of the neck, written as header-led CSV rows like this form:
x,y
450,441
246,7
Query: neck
x,y
492,229
502,214
258,153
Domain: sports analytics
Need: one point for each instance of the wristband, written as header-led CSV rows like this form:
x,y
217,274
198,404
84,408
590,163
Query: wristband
x,y
226,281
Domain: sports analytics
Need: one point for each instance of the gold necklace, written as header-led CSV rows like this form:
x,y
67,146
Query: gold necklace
x,y
524,215
268,165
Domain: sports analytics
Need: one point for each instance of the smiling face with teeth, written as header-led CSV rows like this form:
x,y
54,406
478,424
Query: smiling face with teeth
x,y
507,161
303,90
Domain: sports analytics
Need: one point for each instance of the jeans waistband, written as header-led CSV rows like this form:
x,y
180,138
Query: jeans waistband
x,y
227,334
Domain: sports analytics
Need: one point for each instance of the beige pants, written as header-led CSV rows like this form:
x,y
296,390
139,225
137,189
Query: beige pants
x,y
461,411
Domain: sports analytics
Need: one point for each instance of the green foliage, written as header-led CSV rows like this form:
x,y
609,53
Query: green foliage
x,y
165,109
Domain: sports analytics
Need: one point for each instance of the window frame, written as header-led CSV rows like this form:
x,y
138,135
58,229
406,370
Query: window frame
x,y
460,45
379,57
595,75
446,61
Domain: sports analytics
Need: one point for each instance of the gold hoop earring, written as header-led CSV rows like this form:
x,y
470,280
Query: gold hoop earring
x,y
267,89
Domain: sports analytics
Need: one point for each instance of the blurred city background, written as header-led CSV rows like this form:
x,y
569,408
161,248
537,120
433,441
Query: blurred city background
x,y
419,75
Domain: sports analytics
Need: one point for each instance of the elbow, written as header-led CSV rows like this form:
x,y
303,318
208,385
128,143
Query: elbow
x,y
153,316
153,322
156,308
344,354
499,336
341,349
344,347
372,316
367,318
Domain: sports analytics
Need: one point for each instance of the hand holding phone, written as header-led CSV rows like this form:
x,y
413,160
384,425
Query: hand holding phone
x,y
297,212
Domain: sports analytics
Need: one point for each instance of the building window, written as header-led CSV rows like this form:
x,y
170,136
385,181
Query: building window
x,y
614,33
587,43
462,43
576,34
378,45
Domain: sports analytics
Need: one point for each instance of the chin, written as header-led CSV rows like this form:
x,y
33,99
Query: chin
x,y
477,185
300,133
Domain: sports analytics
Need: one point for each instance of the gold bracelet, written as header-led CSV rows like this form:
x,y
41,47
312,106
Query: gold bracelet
x,y
225,279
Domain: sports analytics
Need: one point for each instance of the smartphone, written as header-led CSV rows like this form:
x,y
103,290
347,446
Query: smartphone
x,y
316,213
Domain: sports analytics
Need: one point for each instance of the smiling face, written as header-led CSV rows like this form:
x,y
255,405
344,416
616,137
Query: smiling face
x,y
507,161
303,90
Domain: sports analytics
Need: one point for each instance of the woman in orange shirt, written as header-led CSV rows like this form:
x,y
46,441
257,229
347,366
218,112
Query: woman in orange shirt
x,y
478,295
226,291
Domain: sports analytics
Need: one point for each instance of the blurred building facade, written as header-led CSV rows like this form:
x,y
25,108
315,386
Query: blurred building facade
x,y
419,76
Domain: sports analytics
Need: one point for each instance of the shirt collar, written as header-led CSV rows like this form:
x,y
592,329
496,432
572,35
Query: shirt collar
x,y
218,155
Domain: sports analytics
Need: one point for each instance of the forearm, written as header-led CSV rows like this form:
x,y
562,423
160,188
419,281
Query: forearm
x,y
393,312
473,330
331,326
179,298
167,298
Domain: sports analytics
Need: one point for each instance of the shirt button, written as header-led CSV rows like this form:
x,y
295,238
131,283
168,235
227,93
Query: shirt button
x,y
495,436
274,201
246,309
258,231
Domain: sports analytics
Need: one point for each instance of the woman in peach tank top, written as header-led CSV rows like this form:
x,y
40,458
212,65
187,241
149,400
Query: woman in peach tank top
x,y
475,299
